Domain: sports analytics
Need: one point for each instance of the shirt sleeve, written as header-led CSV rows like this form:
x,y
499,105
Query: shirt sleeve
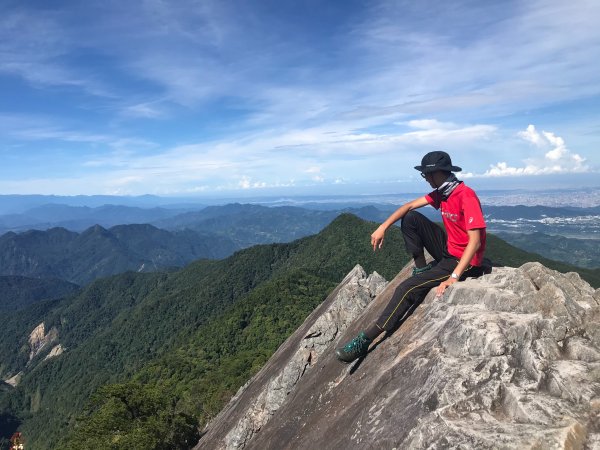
x,y
434,199
472,213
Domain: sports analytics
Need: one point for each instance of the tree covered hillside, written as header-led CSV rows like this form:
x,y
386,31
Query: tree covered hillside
x,y
17,292
148,357
115,326
97,252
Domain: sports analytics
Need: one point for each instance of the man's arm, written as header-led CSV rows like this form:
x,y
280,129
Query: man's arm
x,y
378,234
470,250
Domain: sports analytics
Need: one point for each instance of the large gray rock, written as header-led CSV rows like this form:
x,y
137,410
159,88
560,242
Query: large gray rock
x,y
256,403
508,361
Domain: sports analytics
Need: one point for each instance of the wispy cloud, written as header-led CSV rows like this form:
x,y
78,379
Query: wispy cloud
x,y
146,110
502,58
188,95
434,132
38,48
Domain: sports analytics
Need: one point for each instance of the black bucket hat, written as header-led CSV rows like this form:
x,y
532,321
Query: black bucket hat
x,y
433,161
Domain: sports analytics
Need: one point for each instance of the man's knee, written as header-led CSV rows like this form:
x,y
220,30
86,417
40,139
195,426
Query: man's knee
x,y
411,219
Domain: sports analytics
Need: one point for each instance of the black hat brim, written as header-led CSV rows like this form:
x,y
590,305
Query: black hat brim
x,y
424,169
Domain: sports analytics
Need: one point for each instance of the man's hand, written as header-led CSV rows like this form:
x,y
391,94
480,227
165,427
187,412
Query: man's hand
x,y
442,287
377,238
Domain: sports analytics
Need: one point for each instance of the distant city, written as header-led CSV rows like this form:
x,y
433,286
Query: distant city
x,y
581,198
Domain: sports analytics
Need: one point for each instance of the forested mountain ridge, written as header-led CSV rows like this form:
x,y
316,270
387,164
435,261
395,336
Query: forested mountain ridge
x,y
248,224
214,232
116,325
79,218
97,252
184,340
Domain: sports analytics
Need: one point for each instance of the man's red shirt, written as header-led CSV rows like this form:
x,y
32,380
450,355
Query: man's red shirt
x,y
460,212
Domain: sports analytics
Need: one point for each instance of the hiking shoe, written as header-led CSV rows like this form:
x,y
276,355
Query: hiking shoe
x,y
354,349
421,270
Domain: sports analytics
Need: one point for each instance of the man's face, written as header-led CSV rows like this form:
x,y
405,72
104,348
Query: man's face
x,y
434,178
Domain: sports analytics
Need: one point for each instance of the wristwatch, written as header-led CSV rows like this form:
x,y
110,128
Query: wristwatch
x,y
455,276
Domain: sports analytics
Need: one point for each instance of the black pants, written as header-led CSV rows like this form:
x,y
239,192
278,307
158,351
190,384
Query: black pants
x,y
421,233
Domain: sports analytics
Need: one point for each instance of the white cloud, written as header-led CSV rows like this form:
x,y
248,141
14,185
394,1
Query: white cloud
x,y
556,157
325,154
147,110
434,132
431,124
51,134
531,135
316,175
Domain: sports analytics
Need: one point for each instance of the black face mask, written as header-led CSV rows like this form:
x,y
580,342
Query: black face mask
x,y
448,186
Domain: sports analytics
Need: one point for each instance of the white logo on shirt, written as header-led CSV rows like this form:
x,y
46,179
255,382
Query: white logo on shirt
x,y
470,220
450,216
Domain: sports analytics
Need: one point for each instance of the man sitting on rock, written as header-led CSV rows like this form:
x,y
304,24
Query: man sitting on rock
x,y
457,254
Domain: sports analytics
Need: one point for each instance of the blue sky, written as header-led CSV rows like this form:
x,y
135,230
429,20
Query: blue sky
x,y
224,97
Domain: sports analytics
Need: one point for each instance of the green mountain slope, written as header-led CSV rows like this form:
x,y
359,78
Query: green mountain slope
x,y
204,372
97,252
178,345
17,292
116,325
247,224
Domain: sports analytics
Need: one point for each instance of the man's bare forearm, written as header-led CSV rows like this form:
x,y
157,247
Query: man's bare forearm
x,y
470,250
401,212
378,234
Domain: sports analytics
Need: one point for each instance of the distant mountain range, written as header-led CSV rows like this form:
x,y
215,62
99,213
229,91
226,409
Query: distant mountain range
x,y
18,204
79,218
212,218
248,225
570,221
176,238
97,252
214,233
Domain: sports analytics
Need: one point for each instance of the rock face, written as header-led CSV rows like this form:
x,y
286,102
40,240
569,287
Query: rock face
x,y
258,401
57,350
38,339
38,342
14,381
510,360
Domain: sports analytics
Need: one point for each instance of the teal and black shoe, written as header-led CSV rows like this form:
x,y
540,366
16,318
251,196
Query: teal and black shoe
x,y
421,270
354,349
